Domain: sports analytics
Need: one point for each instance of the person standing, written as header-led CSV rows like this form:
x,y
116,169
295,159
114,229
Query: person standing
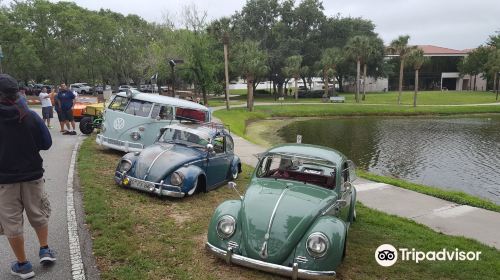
x,y
23,135
65,100
47,111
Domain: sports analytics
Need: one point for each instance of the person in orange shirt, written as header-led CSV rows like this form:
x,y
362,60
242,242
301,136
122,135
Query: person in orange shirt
x,y
52,95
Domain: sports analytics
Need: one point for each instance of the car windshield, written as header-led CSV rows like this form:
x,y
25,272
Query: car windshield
x,y
297,167
183,137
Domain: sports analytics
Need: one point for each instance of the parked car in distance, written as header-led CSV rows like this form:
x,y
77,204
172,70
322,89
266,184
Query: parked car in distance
x,y
184,160
100,88
294,217
123,88
81,88
132,120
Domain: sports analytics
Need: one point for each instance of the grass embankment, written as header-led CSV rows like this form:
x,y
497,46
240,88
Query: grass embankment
x,y
453,196
139,236
238,118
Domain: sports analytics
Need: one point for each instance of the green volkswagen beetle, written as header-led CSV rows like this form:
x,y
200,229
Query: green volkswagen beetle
x,y
294,217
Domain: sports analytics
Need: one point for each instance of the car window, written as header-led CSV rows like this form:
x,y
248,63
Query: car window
x,y
162,112
229,144
218,143
118,104
171,135
297,168
139,108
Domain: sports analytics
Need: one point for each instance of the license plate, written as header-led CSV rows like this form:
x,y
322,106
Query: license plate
x,y
141,185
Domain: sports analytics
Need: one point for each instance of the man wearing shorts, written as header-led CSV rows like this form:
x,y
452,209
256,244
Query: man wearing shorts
x,y
65,100
47,111
23,135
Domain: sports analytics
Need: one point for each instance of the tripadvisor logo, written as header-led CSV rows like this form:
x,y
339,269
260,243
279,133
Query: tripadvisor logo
x,y
387,255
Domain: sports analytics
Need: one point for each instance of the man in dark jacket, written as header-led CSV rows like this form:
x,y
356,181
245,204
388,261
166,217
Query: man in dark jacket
x,y
22,136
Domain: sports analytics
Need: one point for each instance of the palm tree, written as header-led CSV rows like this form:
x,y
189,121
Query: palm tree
x,y
493,66
330,58
400,47
357,48
250,62
416,58
292,69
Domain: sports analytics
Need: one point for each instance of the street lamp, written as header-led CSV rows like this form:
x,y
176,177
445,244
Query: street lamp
x,y
172,66
173,63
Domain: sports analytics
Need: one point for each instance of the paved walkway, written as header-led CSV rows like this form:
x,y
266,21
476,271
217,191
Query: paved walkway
x,y
440,215
59,186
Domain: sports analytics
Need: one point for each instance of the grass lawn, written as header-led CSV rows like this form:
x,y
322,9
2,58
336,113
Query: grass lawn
x,y
139,236
390,98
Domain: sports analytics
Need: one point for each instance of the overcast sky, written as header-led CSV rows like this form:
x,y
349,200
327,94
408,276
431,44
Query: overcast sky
x,y
456,24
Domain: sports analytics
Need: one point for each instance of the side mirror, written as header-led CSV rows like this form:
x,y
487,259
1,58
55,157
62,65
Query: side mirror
x,y
232,185
210,149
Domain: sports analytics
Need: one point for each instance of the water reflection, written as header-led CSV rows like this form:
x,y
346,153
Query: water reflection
x,y
450,153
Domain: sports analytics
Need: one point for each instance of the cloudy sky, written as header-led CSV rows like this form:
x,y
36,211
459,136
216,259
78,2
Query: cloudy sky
x,y
457,24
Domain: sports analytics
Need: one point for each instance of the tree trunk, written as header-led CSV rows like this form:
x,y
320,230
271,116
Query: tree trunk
x,y
364,82
205,96
226,74
358,70
401,66
305,82
496,85
280,89
416,89
474,88
296,87
250,93
325,82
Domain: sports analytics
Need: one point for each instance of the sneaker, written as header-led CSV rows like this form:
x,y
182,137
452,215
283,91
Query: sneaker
x,y
50,127
47,256
24,271
66,132
72,132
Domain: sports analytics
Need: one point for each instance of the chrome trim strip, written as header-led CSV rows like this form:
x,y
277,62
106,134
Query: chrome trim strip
x,y
263,251
292,272
153,163
157,190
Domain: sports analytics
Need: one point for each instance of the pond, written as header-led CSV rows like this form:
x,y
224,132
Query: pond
x,y
453,153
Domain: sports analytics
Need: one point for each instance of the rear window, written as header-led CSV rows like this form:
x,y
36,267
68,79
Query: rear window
x,y
118,104
139,108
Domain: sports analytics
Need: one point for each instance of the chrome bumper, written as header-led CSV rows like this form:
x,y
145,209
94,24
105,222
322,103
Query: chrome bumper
x,y
158,188
293,272
118,144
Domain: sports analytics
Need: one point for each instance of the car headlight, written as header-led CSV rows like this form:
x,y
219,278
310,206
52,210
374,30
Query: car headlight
x,y
135,135
125,165
317,244
226,226
176,178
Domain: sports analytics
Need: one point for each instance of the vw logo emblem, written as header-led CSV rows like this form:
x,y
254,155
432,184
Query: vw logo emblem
x,y
119,123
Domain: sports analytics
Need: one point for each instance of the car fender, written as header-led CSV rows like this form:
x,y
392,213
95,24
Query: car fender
x,y
191,174
353,204
335,230
229,207
236,164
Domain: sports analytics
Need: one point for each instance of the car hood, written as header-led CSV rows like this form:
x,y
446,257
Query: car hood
x,y
162,159
297,209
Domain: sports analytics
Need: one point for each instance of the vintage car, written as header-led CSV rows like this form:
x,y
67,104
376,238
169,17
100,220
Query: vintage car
x,y
294,217
132,121
81,103
184,160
